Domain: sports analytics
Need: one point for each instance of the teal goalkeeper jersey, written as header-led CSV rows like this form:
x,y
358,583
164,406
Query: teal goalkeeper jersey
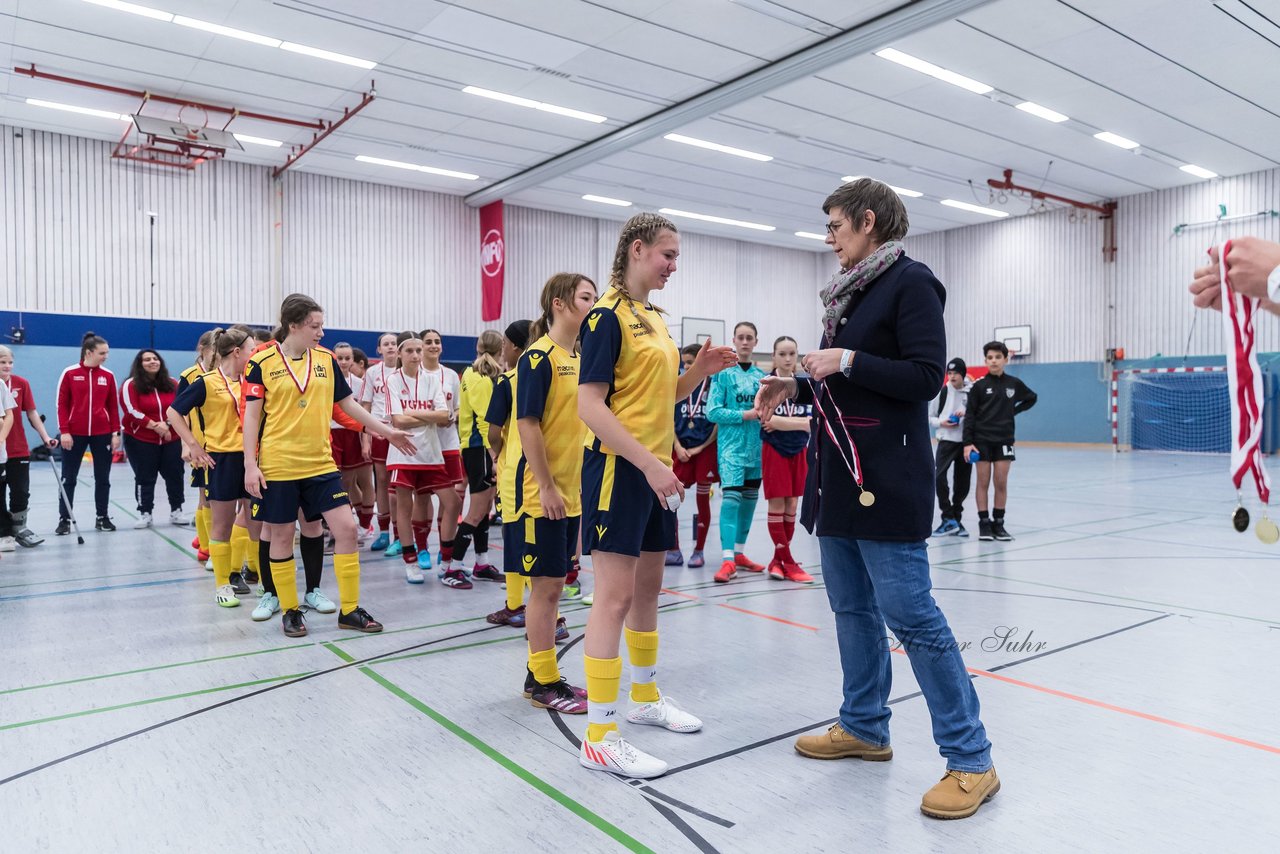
x,y
733,391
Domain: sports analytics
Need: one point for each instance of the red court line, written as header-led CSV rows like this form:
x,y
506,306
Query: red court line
x,y
743,610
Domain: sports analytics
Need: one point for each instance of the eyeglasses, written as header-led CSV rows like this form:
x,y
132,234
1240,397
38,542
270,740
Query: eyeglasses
x,y
833,227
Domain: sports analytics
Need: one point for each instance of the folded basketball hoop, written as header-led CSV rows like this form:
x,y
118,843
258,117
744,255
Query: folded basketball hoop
x,y
180,144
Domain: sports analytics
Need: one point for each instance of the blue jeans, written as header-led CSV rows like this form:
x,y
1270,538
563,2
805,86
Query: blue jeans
x,y
871,584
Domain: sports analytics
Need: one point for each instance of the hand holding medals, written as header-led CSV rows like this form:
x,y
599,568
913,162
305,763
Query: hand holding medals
x,y
1244,385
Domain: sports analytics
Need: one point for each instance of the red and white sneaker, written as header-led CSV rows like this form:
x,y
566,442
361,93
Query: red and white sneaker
x,y
746,564
615,755
776,571
793,572
726,573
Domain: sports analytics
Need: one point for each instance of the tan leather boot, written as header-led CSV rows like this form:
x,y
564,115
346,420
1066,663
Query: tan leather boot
x,y
960,793
836,743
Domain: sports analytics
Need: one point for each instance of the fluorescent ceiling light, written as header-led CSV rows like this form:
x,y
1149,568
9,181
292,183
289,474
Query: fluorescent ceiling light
x,y
133,9
715,146
1043,112
901,191
722,220
257,140
218,29
1115,139
811,235
934,71
329,55
533,105
414,167
965,206
1198,171
87,111
605,200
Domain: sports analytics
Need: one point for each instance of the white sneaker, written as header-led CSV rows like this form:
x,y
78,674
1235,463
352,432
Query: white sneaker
x,y
144,521
267,606
664,713
587,598
616,755
177,517
8,544
413,574
208,564
226,597
317,601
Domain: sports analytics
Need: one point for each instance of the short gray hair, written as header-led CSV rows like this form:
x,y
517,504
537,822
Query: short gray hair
x,y
867,194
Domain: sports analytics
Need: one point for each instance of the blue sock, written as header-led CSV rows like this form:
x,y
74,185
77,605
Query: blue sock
x,y
746,509
730,502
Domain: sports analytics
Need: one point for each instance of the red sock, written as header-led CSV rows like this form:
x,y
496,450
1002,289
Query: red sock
x,y
384,522
365,515
446,552
704,515
409,554
789,531
776,534
420,532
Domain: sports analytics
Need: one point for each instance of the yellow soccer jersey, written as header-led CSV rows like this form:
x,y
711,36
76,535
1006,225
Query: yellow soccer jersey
x,y
473,404
185,379
214,397
502,410
640,365
548,391
297,402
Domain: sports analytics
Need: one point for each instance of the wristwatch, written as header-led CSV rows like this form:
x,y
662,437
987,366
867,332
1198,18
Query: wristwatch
x,y
1273,285
846,362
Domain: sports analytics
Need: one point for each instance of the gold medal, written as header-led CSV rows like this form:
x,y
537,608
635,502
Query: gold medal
x,y
302,404
1240,519
1267,530
691,424
866,499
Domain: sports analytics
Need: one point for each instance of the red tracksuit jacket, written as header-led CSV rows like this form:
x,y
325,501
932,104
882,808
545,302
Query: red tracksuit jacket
x,y
141,407
87,402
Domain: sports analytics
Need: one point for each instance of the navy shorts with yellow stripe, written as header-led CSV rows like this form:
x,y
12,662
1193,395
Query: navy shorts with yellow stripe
x,y
314,496
511,547
225,481
620,511
547,546
197,478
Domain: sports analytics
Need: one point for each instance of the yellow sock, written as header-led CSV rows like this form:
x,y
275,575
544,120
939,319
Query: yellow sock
x,y
285,575
544,666
220,551
204,516
252,555
239,547
515,590
603,676
642,649
347,570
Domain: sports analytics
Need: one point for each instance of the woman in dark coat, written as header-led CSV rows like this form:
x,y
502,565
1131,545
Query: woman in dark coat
x,y
881,362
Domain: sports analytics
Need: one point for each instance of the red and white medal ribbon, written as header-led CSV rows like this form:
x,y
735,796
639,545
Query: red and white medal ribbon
x,y
851,460
1244,384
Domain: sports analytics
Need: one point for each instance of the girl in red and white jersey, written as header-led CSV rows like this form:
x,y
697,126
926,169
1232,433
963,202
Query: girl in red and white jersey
x,y
151,447
16,481
88,417
373,397
352,449
416,403
450,443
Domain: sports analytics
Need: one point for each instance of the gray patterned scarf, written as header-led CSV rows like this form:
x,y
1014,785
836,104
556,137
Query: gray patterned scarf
x,y
844,284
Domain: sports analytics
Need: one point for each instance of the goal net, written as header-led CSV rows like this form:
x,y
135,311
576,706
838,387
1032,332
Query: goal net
x,y
1171,409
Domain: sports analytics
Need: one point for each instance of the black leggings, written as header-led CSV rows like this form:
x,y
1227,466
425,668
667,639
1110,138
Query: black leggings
x,y
15,489
100,447
149,460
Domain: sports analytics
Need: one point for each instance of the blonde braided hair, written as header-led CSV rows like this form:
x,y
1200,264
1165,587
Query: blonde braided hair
x,y
644,227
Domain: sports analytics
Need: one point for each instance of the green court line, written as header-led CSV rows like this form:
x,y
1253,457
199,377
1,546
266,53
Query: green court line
x,y
94,577
614,832
137,703
186,550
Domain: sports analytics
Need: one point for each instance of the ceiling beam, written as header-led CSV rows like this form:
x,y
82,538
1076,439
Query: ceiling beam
x,y
908,18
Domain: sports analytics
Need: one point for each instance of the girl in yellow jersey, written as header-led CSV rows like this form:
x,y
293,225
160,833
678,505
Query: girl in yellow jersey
x,y
503,442
290,392
474,393
214,397
628,387
204,362
548,500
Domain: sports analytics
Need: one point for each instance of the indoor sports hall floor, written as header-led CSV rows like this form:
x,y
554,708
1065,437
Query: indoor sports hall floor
x,y
1141,716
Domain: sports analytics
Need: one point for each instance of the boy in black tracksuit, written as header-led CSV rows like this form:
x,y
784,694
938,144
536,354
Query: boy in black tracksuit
x,y
988,429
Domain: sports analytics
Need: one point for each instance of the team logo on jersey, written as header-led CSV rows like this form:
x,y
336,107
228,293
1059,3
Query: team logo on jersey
x,y
593,320
534,359
253,509
600,529
321,372
1008,392
529,561
991,391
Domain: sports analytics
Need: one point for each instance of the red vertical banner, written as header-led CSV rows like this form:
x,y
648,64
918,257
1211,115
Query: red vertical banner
x,y
493,261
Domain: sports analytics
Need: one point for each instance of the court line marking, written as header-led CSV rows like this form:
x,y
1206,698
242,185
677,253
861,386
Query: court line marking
x,y
598,822
134,585
742,610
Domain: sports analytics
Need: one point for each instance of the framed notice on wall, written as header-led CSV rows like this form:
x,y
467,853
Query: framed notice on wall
x,y
695,330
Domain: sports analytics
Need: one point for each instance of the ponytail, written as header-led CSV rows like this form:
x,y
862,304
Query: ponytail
x,y
89,343
488,348
561,286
